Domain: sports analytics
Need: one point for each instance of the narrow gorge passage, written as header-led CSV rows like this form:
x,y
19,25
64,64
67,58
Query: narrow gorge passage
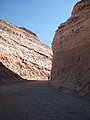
x,y
38,101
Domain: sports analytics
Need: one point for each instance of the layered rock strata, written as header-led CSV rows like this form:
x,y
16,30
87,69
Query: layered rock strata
x,y
22,52
71,52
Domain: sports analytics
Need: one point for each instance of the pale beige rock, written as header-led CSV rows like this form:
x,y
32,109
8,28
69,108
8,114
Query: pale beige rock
x,y
71,52
22,52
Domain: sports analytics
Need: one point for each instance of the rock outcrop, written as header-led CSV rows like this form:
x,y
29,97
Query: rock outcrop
x,y
22,52
7,76
71,52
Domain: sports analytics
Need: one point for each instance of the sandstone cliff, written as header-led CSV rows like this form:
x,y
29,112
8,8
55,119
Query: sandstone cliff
x,y
22,52
71,52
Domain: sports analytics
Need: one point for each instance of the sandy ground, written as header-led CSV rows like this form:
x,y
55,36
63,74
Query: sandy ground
x,y
38,101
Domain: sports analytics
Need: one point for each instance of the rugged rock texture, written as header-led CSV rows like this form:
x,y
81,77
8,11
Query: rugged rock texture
x,y
22,52
71,52
7,76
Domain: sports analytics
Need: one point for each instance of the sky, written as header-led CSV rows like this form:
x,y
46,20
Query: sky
x,y
40,16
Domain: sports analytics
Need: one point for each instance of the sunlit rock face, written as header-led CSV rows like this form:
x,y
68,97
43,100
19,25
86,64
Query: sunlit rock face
x,y
71,52
22,52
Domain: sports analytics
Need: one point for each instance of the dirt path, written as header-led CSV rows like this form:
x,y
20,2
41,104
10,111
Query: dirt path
x,y
38,101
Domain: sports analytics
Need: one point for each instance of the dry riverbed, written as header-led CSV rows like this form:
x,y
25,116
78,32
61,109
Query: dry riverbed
x,y
38,101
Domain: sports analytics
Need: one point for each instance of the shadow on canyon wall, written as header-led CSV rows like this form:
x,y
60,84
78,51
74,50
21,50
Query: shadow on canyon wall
x,y
8,76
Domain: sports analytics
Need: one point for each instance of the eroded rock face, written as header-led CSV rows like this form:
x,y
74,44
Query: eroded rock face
x,y
71,52
22,52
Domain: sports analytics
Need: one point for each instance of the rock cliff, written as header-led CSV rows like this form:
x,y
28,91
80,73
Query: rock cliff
x,y
71,52
22,52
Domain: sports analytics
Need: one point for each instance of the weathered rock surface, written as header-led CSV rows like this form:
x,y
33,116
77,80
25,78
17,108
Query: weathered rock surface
x,y
22,52
71,52
7,76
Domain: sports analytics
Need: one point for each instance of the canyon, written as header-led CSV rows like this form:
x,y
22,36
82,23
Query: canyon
x,y
24,57
40,83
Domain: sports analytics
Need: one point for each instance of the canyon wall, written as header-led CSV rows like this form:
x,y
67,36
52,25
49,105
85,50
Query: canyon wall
x,y
22,52
71,52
